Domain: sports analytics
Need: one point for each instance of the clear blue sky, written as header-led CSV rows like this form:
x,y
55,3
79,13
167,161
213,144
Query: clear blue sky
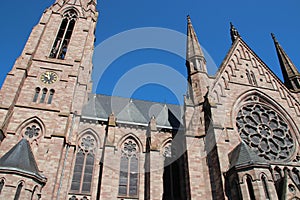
x,y
255,20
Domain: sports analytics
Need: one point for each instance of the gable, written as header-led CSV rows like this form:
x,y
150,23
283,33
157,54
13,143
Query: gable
x,y
242,70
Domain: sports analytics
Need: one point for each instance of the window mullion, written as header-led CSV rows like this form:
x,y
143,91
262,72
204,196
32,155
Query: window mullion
x,y
82,173
62,39
128,176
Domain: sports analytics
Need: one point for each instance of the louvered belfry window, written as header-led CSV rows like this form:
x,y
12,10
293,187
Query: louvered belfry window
x,y
129,167
84,165
61,43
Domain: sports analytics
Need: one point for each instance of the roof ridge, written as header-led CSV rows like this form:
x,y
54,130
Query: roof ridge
x,y
133,99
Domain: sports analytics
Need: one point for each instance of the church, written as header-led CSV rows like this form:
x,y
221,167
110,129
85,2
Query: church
x,y
236,136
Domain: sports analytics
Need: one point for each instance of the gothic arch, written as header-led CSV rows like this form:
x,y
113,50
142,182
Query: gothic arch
x,y
164,144
32,123
239,54
227,75
267,100
253,100
71,8
254,63
247,55
130,167
244,177
216,96
231,70
84,162
35,193
236,58
263,174
21,182
90,131
221,88
225,81
131,136
234,64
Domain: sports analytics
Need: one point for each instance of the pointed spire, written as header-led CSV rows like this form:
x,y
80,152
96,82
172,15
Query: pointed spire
x,y
233,33
289,71
194,54
196,66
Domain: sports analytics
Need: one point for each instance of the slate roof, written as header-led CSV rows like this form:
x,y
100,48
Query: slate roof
x,y
242,155
20,159
133,110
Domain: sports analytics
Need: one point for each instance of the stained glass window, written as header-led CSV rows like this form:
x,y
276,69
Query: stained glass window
x,y
129,167
265,131
84,165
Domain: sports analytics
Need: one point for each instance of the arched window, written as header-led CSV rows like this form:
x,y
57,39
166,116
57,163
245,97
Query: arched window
x,y
1,185
250,188
18,191
129,166
84,165
265,185
35,195
50,96
42,100
64,34
36,95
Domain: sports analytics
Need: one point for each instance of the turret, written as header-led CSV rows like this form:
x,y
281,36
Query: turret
x,y
196,66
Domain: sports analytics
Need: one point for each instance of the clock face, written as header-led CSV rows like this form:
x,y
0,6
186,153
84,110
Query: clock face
x,y
49,77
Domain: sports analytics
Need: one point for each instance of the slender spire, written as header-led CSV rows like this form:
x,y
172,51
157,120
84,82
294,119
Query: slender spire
x,y
196,66
289,71
194,54
233,33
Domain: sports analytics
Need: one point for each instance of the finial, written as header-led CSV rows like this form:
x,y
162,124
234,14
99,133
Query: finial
x,y
189,19
274,38
233,32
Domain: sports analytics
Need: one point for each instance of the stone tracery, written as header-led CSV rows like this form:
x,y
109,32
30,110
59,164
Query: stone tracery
x,y
265,131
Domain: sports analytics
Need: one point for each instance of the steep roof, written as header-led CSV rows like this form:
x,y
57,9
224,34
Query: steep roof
x,y
20,160
243,156
193,45
133,110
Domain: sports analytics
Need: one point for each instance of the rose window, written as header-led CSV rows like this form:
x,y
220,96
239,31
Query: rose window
x,y
265,132
87,143
129,149
32,132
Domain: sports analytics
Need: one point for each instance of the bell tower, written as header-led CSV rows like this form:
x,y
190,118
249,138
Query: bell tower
x,y
43,94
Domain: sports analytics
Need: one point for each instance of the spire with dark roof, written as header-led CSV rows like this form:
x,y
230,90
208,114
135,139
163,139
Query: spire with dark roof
x,y
233,33
194,54
289,71
20,160
196,67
